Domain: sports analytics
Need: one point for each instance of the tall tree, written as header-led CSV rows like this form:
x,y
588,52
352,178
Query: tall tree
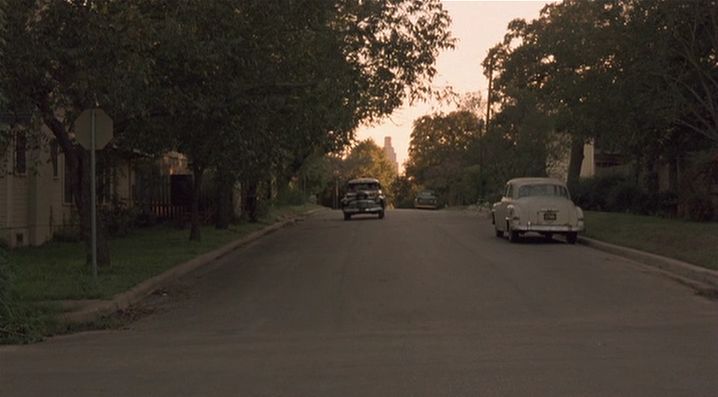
x,y
438,146
62,57
367,160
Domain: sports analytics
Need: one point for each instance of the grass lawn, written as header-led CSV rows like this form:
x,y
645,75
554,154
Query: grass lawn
x,y
57,270
691,242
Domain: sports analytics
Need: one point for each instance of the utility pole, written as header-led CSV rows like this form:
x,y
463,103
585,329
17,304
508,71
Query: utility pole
x,y
488,96
486,133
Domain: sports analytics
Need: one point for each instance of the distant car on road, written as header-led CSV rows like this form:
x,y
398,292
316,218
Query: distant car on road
x,y
540,205
364,196
426,199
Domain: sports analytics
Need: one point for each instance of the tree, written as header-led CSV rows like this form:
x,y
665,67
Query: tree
x,y
247,90
403,190
63,57
347,62
693,28
564,62
438,152
367,160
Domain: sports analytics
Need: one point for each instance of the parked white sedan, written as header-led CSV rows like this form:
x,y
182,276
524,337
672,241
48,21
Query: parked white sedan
x,y
541,205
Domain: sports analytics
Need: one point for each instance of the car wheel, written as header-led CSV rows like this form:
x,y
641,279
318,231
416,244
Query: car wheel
x,y
571,237
381,214
347,216
499,233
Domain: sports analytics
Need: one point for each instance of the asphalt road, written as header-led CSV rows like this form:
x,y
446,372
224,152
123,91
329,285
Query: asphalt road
x,y
422,303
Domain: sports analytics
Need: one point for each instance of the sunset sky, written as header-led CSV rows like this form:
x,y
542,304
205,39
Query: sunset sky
x,y
478,25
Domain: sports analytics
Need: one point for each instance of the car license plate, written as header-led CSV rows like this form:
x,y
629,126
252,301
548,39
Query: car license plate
x,y
549,216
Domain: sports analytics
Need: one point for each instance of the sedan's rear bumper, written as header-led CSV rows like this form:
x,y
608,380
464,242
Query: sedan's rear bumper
x,y
547,228
426,206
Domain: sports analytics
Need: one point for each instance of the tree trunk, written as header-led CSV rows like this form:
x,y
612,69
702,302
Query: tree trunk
x,y
574,163
249,201
194,232
225,184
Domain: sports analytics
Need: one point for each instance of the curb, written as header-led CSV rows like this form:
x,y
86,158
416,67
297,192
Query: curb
x,y
122,301
680,270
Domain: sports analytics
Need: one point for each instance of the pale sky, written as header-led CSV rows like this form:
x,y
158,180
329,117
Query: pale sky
x,y
478,26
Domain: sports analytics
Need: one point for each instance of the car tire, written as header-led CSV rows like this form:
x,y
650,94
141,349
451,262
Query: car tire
x,y
571,237
499,233
381,214
347,216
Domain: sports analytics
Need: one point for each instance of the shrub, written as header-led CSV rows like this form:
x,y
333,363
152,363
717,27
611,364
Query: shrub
x,y
291,196
666,204
68,234
624,197
120,219
696,207
593,193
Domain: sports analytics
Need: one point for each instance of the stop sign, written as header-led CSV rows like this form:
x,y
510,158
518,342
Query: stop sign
x,y
103,129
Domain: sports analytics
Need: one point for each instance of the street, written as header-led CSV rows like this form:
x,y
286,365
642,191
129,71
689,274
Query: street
x,y
423,303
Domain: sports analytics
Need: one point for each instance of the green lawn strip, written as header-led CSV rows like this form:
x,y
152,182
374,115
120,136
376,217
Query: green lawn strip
x,y
692,242
57,270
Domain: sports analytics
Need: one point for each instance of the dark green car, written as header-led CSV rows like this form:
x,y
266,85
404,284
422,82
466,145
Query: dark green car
x,y
364,196
426,200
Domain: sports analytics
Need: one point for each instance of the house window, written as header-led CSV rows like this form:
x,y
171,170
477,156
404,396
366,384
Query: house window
x,y
67,196
20,153
54,152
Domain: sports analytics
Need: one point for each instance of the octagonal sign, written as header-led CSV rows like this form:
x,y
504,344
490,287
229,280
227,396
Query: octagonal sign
x,y
103,129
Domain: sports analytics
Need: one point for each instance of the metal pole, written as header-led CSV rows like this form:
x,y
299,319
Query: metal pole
x,y
93,200
488,96
482,193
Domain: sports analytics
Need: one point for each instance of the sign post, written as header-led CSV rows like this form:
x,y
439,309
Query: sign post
x,y
93,130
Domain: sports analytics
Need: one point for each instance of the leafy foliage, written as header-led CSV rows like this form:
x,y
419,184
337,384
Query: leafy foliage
x,y
367,160
248,89
404,190
632,76
440,154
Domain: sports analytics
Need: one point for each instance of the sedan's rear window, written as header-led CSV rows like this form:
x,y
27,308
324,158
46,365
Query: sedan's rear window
x,y
543,190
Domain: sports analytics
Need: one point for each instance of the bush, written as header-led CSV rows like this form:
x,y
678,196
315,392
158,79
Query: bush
x,y
67,234
617,194
593,193
626,197
291,196
666,204
120,219
696,207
